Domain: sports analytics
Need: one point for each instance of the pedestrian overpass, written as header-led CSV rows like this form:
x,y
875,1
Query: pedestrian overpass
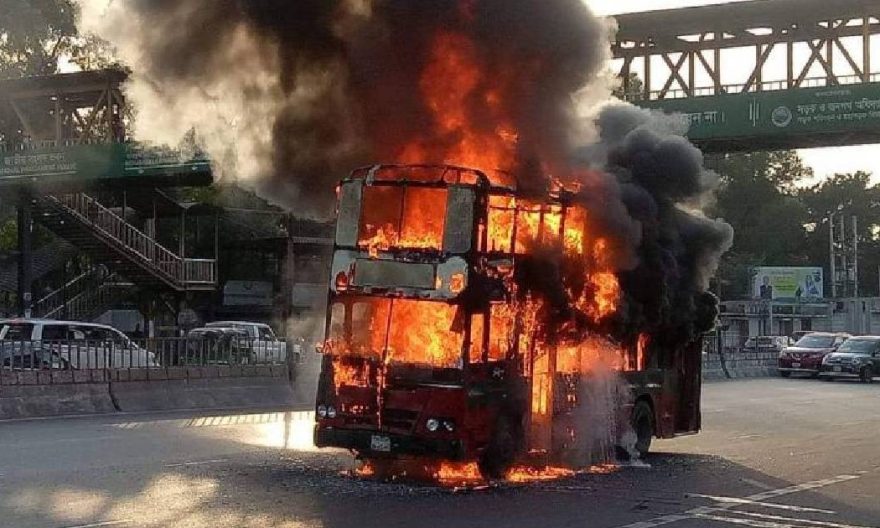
x,y
760,74
67,164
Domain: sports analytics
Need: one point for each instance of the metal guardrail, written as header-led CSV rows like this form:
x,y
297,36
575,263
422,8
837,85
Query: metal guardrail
x,y
63,355
765,86
162,260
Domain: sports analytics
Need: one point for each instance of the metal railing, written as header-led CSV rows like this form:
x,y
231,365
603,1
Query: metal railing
x,y
47,144
200,271
158,353
137,243
52,304
765,86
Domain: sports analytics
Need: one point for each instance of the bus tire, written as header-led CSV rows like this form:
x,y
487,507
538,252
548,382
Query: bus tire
x,y
643,427
500,454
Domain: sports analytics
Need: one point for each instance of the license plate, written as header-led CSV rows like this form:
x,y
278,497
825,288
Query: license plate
x,y
380,443
795,365
838,369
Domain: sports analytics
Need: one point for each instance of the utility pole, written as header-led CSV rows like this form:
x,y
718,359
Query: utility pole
x,y
855,258
843,248
831,256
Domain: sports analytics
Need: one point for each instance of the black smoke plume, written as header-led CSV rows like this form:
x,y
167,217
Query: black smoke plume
x,y
291,95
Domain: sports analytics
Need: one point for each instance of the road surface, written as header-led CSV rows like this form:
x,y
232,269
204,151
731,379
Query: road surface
x,y
774,454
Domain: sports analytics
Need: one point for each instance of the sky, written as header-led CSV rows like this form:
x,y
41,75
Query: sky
x,y
825,161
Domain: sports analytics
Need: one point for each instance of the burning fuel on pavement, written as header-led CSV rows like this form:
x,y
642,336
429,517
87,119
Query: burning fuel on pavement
x,y
519,291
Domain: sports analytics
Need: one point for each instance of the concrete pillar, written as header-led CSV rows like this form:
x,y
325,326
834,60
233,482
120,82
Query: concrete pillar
x,y
25,256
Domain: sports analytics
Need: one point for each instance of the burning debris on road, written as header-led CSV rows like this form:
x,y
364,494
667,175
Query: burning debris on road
x,y
589,256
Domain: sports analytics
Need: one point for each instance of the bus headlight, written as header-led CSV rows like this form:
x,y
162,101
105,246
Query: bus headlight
x,y
331,412
322,411
432,424
449,425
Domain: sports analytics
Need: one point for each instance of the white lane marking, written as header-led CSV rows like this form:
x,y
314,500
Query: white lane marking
x,y
823,524
660,521
773,505
757,483
97,524
696,513
744,522
197,463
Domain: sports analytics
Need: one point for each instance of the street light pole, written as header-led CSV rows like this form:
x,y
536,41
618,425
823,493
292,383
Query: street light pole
x,y
855,235
831,255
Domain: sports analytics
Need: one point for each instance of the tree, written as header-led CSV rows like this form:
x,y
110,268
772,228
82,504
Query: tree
x,y
631,92
34,34
757,197
847,195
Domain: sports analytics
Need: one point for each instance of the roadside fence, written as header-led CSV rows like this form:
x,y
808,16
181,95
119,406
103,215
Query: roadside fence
x,y
155,353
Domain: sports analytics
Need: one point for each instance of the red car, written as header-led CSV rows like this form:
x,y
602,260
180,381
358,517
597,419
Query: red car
x,y
807,354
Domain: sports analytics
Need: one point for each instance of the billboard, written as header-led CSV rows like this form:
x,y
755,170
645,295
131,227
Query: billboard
x,y
77,165
787,283
778,114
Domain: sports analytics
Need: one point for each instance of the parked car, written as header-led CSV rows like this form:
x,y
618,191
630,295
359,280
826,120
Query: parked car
x,y
46,343
806,355
767,343
858,357
796,336
218,345
265,346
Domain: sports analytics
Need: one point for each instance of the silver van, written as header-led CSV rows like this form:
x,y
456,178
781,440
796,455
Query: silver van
x,y
46,343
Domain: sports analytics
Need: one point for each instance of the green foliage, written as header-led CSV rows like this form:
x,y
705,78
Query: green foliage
x,y
8,235
847,195
778,224
633,91
34,34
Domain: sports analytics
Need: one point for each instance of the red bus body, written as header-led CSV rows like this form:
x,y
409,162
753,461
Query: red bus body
x,y
381,395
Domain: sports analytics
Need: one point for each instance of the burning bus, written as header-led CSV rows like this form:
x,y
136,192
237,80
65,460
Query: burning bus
x,y
469,320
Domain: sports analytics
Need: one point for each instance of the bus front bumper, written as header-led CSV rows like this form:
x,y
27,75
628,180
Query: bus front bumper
x,y
380,444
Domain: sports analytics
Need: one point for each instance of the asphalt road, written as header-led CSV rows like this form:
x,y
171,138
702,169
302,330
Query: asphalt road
x,y
774,454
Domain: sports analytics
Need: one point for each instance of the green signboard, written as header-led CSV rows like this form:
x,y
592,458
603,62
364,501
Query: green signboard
x,y
795,116
82,165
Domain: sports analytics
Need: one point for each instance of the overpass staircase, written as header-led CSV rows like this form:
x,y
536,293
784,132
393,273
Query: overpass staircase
x,y
127,251
85,297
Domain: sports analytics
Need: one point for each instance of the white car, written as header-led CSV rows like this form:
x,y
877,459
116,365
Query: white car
x,y
46,343
264,344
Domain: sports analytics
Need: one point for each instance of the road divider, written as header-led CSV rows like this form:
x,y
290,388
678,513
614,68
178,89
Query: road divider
x,y
35,393
739,364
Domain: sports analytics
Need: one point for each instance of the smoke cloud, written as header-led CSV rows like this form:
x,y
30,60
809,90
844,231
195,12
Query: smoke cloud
x,y
290,96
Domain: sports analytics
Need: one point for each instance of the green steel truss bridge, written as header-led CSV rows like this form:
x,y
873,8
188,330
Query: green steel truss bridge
x,y
761,74
67,132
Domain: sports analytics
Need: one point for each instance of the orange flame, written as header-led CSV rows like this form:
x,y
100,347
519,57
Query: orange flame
x,y
418,332
450,86
348,375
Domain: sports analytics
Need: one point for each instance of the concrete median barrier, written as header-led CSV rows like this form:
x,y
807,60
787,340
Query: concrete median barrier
x,y
28,394
201,393
739,364
38,394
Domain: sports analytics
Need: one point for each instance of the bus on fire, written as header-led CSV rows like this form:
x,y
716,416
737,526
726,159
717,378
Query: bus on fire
x,y
466,318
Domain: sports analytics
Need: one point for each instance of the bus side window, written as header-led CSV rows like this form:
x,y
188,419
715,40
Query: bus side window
x,y
475,353
500,332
